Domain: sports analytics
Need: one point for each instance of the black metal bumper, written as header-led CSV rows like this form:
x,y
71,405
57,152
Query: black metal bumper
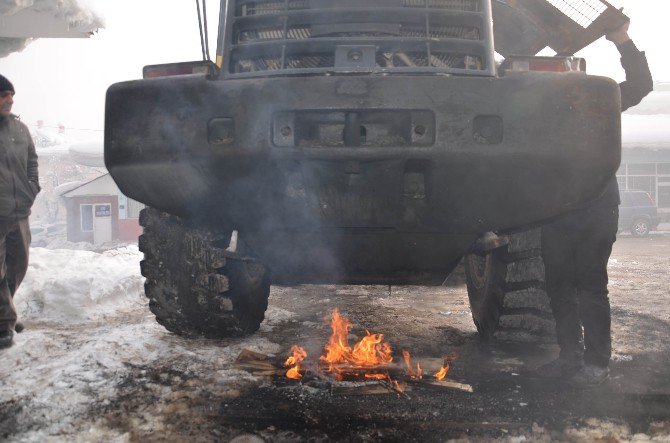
x,y
325,163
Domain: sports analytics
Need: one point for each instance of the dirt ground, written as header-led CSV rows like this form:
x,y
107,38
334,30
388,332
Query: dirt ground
x,y
126,379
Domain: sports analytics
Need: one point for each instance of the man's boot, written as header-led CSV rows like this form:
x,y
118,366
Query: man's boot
x,y
563,367
6,339
590,376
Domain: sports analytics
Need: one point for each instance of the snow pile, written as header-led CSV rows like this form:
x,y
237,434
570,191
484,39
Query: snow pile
x,y
57,378
67,187
593,429
9,7
66,378
49,142
68,10
75,285
75,18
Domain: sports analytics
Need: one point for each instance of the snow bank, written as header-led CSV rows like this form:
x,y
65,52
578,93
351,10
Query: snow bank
x,y
72,11
21,21
74,285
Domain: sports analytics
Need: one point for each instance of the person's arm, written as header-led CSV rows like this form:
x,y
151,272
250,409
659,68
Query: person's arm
x,y
634,62
33,173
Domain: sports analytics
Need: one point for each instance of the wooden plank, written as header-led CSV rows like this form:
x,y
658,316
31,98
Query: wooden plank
x,y
249,355
449,384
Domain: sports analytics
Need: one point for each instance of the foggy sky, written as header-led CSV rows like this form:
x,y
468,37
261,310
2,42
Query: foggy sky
x,y
65,80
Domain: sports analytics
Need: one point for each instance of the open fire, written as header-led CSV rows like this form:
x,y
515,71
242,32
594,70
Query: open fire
x,y
371,358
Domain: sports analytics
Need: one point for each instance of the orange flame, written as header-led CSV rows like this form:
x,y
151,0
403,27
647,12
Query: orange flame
x,y
299,354
439,375
442,372
368,358
398,386
371,351
410,370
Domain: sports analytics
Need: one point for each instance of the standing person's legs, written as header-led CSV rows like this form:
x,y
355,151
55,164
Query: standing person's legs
x,y
559,266
18,248
594,249
7,310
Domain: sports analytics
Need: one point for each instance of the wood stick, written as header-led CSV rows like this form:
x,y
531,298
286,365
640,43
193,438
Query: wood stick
x,y
392,387
448,384
249,355
269,372
256,365
375,389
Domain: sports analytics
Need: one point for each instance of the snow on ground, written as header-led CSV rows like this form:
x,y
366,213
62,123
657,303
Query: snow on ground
x,y
75,285
88,330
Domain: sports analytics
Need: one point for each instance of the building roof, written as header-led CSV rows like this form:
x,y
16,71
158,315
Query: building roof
x,y
645,128
648,131
21,21
88,153
101,186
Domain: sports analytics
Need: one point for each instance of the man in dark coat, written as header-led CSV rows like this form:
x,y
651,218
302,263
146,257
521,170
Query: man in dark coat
x,y
19,186
576,249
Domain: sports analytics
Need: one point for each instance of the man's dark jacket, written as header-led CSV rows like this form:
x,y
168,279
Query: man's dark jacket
x,y
19,181
636,87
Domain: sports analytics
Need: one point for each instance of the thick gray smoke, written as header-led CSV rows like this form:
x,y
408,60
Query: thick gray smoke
x,y
71,13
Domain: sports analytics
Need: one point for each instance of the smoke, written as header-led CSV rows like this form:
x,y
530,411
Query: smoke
x,y
72,13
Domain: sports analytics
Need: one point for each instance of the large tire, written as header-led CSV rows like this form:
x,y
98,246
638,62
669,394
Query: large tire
x,y
192,287
506,291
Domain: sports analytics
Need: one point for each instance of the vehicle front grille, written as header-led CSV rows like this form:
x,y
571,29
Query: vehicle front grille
x,y
269,37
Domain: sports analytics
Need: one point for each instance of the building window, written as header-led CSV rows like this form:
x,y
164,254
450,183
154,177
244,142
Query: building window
x,y
642,169
622,181
647,184
664,197
86,212
133,208
664,168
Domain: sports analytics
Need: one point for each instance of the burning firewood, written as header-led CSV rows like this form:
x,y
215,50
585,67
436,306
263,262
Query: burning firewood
x,y
369,363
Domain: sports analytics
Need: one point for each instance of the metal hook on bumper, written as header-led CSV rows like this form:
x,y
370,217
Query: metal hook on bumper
x,y
488,242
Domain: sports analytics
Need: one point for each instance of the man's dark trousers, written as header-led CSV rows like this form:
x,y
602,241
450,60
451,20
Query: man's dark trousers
x,y
575,250
14,248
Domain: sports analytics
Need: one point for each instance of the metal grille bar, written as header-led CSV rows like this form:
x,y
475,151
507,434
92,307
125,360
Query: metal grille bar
x,y
279,37
582,12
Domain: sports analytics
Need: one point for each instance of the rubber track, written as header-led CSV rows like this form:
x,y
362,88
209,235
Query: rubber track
x,y
193,289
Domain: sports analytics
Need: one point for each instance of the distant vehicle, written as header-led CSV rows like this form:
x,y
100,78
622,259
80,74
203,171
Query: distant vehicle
x,y
638,213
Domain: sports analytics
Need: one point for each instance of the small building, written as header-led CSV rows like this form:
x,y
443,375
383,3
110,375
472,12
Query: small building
x,y
97,212
645,160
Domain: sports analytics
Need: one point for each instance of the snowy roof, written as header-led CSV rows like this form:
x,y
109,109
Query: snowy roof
x,y
21,21
101,186
657,102
88,153
647,131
